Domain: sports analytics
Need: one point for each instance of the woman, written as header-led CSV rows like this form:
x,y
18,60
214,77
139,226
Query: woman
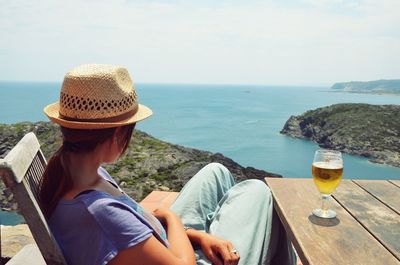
x,y
95,222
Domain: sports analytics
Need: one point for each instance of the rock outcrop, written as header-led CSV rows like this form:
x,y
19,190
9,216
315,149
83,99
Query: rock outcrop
x,y
371,131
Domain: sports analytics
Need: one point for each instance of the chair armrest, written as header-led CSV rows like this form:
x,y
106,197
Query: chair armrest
x,y
158,199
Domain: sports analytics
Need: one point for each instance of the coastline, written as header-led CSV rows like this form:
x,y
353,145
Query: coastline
x,y
379,93
370,131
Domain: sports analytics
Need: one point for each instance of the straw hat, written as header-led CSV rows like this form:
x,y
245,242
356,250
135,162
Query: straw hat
x,y
96,96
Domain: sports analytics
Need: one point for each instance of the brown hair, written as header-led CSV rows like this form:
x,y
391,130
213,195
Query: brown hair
x,y
56,179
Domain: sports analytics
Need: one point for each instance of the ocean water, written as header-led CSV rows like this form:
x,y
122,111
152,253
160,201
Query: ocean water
x,y
10,218
239,121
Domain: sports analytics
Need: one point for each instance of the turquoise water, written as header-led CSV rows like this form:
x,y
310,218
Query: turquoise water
x,y
241,122
10,218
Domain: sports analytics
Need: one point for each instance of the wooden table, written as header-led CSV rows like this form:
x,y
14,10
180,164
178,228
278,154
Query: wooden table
x,y
365,231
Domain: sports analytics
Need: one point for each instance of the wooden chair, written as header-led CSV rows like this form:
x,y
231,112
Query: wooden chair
x,y
21,171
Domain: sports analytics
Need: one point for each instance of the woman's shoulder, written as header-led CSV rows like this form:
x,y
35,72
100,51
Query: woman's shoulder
x,y
99,207
96,202
86,203
99,216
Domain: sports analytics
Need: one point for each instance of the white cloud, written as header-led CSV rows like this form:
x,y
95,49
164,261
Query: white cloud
x,y
309,42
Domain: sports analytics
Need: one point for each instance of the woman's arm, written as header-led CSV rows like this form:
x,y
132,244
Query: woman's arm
x,y
179,242
151,251
217,250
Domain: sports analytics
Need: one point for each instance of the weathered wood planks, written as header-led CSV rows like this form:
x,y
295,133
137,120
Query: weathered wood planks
x,y
395,182
342,240
385,191
381,221
158,199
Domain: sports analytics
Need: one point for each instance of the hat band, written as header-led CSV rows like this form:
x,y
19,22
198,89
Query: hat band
x,y
118,118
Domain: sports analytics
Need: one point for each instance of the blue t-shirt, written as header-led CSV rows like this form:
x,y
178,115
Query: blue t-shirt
x,y
92,228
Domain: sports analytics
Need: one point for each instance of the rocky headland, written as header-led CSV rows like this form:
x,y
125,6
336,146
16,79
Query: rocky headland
x,y
377,86
371,131
149,164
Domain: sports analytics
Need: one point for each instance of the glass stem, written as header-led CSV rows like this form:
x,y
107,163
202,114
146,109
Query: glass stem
x,y
325,202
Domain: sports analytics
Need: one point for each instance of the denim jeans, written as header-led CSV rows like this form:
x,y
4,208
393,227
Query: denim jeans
x,y
241,213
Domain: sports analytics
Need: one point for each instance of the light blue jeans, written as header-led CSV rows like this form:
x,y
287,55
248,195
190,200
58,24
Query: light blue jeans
x,y
241,213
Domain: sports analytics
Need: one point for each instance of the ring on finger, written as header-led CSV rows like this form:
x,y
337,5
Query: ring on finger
x,y
234,251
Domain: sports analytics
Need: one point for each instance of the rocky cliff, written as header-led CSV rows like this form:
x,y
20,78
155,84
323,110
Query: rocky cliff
x,y
372,131
149,164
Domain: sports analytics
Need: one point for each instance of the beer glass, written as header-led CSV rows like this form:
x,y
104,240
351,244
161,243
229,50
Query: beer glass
x,y
327,171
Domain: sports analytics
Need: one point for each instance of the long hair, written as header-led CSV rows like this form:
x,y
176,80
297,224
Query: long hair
x,y
56,180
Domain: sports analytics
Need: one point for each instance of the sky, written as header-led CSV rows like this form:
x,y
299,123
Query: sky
x,y
298,42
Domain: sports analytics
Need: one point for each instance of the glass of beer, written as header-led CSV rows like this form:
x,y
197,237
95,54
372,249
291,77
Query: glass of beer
x,y
327,171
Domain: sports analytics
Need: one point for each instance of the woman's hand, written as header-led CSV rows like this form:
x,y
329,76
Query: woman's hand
x,y
217,250
179,243
163,214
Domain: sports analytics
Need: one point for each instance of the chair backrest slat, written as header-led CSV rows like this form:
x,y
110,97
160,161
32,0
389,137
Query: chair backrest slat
x,y
21,171
34,175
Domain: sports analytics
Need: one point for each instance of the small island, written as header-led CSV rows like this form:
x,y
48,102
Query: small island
x,y
378,86
149,164
371,131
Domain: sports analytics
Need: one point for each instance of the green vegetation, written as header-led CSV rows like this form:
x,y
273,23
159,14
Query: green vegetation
x,y
371,131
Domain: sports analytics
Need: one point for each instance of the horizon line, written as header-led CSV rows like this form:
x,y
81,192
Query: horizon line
x,y
186,83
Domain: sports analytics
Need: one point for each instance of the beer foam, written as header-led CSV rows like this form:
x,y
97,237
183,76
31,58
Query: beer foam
x,y
329,165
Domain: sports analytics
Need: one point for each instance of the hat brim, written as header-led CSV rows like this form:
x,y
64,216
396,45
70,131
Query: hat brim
x,y
52,111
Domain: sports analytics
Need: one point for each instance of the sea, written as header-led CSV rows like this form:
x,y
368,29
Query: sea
x,y
240,121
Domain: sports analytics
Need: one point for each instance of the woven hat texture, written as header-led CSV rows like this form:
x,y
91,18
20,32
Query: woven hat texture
x,y
97,96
